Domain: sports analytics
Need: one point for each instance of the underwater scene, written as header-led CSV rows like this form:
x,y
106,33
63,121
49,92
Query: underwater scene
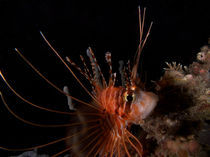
x,y
105,79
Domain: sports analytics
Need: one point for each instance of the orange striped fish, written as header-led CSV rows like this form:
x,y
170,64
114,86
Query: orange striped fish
x,y
100,127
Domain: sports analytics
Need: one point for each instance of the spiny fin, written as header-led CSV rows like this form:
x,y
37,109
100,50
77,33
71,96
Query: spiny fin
x,y
96,69
142,42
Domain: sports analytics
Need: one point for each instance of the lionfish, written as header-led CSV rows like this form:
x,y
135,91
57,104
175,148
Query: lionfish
x,y
100,127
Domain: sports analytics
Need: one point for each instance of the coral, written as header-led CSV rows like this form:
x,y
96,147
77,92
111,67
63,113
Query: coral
x,y
179,125
33,153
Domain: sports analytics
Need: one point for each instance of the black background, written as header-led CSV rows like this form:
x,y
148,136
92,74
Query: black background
x,y
180,28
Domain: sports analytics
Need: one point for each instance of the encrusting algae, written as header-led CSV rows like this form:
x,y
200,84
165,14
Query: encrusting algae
x,y
179,126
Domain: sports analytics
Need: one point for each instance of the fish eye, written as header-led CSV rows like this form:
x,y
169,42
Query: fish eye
x,y
129,97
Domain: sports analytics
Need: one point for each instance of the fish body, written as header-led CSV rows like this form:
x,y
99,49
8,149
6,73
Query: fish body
x,y
118,108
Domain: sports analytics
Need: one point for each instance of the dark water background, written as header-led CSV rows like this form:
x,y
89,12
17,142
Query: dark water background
x,y
180,29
